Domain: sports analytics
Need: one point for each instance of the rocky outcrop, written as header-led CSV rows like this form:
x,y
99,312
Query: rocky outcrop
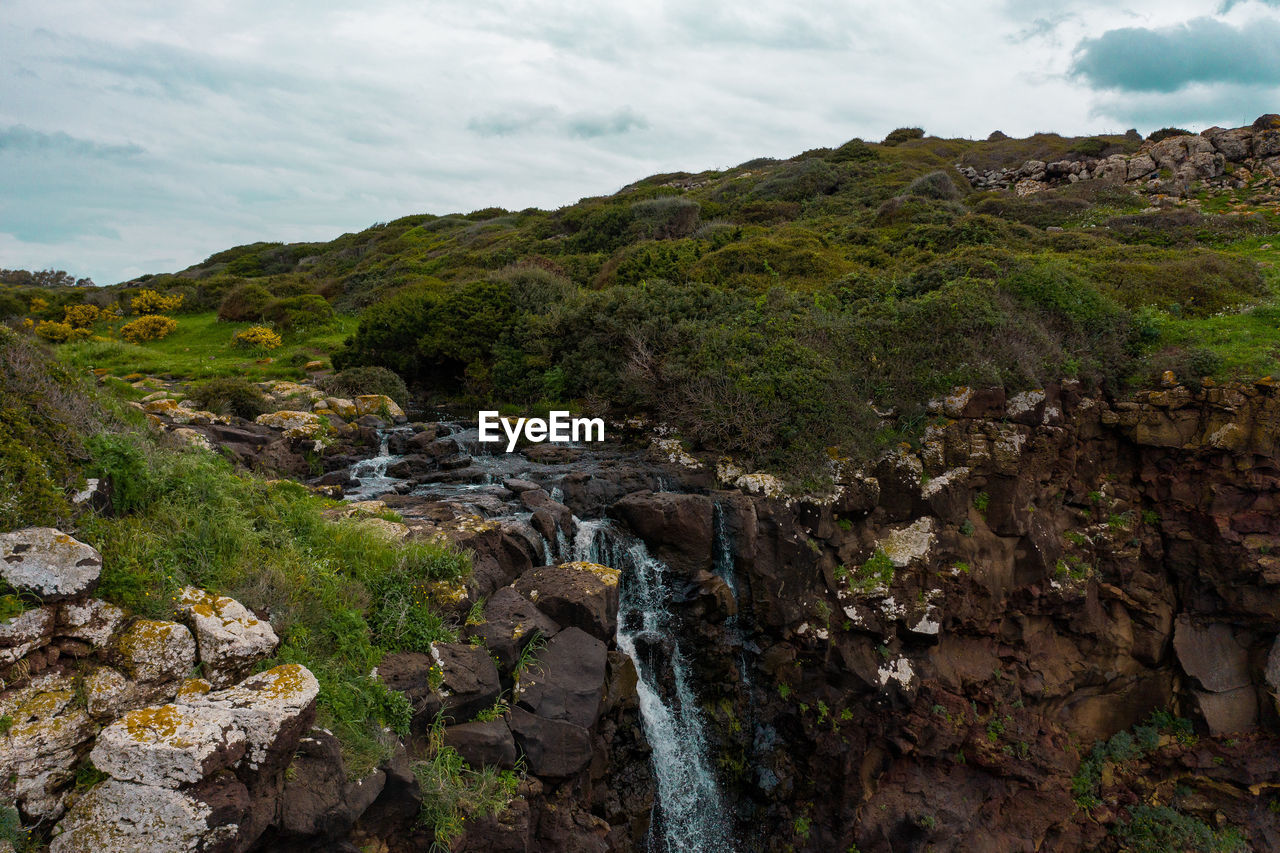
x,y
1169,166
230,639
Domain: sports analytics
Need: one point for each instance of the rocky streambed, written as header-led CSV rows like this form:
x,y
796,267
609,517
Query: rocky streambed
x,y
923,659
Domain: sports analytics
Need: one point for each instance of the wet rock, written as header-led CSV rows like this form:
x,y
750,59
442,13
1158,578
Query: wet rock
x,y
554,749
676,527
483,744
469,680
48,562
168,745
581,594
230,639
566,680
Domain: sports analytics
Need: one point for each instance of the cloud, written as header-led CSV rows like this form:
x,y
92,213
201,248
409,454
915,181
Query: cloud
x,y
1203,50
1228,5
610,124
21,139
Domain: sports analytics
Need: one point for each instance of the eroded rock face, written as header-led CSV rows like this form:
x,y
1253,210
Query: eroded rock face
x,y
43,744
565,682
48,562
230,639
94,621
156,656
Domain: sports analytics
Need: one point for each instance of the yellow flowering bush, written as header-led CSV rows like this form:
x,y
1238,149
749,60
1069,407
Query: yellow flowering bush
x,y
81,316
256,338
151,327
150,302
59,333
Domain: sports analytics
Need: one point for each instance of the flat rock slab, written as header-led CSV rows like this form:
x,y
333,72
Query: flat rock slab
x,y
48,562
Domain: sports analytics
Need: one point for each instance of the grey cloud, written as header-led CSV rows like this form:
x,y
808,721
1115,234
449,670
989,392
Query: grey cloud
x,y
19,138
1203,50
1228,5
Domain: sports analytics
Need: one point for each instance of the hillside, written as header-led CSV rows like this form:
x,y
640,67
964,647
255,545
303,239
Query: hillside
x,y
882,274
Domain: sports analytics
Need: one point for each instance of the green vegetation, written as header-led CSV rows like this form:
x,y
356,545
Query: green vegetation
x,y
452,792
1157,829
12,831
1161,727
876,573
717,302
365,380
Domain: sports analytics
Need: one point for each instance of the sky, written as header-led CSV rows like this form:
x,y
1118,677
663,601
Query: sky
x,y
143,137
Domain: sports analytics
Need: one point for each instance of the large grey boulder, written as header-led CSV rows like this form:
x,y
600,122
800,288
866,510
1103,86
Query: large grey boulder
x,y
48,562
168,745
567,679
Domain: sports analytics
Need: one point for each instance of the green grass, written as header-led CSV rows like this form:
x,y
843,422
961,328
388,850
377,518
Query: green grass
x,y
201,349
453,792
339,594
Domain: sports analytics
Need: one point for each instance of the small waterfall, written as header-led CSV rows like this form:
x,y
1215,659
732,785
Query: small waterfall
x,y
723,556
372,472
690,816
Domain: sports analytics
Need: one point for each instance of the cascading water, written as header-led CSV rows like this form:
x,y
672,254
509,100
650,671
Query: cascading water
x,y
690,816
372,472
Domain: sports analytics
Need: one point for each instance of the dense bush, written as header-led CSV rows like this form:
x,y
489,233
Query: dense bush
x,y
902,134
151,327
81,316
151,302
355,381
309,311
245,302
59,333
936,185
229,395
1166,132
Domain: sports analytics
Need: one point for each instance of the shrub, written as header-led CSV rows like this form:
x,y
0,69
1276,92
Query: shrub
x,y
936,185
244,302
81,316
151,327
901,135
799,181
11,306
151,302
1156,829
665,218
59,333
229,395
355,381
1166,132
309,311
1091,147
259,338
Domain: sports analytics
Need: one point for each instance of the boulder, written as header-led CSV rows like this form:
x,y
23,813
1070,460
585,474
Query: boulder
x,y
1140,165
230,638
676,527
483,744
510,623
555,749
294,424
125,817
380,405
157,655
567,679
581,594
469,680
1231,711
48,562
168,745
108,693
1235,145
273,708
94,621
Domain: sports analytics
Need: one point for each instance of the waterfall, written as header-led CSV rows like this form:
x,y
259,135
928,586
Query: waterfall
x,y
372,472
690,815
723,555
